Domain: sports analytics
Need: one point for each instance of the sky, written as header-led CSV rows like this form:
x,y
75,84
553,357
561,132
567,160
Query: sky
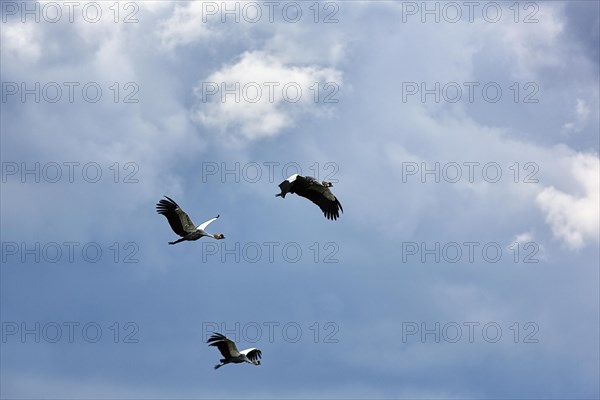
x,y
462,141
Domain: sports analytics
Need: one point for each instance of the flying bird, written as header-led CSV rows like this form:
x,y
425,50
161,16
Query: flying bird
x,y
317,192
182,224
230,352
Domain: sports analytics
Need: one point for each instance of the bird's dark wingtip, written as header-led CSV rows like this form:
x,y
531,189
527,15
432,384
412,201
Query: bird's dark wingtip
x,y
171,200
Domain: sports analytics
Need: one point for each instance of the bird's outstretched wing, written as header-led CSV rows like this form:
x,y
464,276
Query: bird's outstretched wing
x,y
205,224
226,346
320,195
252,354
178,219
326,201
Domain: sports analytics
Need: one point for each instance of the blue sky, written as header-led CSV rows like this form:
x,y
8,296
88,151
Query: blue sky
x,y
464,151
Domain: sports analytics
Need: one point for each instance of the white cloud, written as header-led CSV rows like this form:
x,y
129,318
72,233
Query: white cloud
x,y
575,219
185,26
523,237
582,110
21,41
526,248
271,96
581,117
536,44
330,49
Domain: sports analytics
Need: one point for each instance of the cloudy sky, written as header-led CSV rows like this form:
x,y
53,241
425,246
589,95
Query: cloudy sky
x,y
462,141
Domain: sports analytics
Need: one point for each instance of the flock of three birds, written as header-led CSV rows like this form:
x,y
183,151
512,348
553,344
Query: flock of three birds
x,y
305,186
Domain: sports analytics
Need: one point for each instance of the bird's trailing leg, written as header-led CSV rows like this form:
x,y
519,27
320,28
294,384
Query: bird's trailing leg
x,y
222,362
177,241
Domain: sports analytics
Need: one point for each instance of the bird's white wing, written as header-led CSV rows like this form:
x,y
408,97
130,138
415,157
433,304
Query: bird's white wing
x,y
286,185
292,178
205,224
